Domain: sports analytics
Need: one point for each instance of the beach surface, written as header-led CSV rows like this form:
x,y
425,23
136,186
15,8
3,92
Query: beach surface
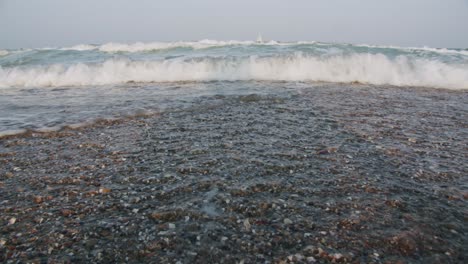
x,y
326,173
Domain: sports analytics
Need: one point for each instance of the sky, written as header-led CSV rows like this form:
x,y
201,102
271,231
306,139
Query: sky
x,y
53,23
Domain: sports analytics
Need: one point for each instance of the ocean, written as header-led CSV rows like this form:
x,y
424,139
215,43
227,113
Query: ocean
x,y
233,152
48,88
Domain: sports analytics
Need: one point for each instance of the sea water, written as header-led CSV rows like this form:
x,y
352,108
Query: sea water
x,y
47,88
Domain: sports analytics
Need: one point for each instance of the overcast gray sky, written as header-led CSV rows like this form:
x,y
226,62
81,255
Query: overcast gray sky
x,y
40,23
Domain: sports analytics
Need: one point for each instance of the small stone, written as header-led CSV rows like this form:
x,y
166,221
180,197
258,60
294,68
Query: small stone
x,y
311,260
38,199
299,257
287,221
66,212
247,224
104,190
327,151
309,250
172,226
12,221
337,256
465,196
2,242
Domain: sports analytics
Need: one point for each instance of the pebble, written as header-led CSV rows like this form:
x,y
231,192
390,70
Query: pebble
x,y
247,224
299,257
104,190
172,226
66,212
287,221
38,199
337,256
12,221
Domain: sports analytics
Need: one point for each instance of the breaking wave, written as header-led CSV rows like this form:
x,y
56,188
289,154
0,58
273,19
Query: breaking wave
x,y
427,49
377,69
113,47
154,46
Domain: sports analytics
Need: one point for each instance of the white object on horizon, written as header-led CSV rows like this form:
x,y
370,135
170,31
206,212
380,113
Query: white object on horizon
x,y
259,39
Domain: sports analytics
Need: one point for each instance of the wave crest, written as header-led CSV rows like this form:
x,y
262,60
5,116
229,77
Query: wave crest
x,y
376,69
113,47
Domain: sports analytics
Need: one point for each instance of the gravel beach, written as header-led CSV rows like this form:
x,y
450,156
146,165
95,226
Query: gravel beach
x,y
329,174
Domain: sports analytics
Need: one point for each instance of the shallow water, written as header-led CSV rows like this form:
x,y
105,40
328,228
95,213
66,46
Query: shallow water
x,y
373,174
53,108
47,109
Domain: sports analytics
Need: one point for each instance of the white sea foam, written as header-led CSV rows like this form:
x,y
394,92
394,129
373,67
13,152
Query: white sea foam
x,y
375,69
4,52
113,47
81,47
425,48
154,46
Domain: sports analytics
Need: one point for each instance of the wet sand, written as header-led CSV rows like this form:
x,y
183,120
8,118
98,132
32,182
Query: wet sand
x,y
332,173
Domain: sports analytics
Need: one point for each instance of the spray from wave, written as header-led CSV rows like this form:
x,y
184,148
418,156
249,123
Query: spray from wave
x,y
211,60
114,47
375,69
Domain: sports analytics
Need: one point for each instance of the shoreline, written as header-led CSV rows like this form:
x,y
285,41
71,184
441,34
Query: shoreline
x,y
53,131
121,117
331,174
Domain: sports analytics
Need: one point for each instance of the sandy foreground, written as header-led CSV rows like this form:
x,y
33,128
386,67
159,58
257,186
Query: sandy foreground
x,y
328,174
